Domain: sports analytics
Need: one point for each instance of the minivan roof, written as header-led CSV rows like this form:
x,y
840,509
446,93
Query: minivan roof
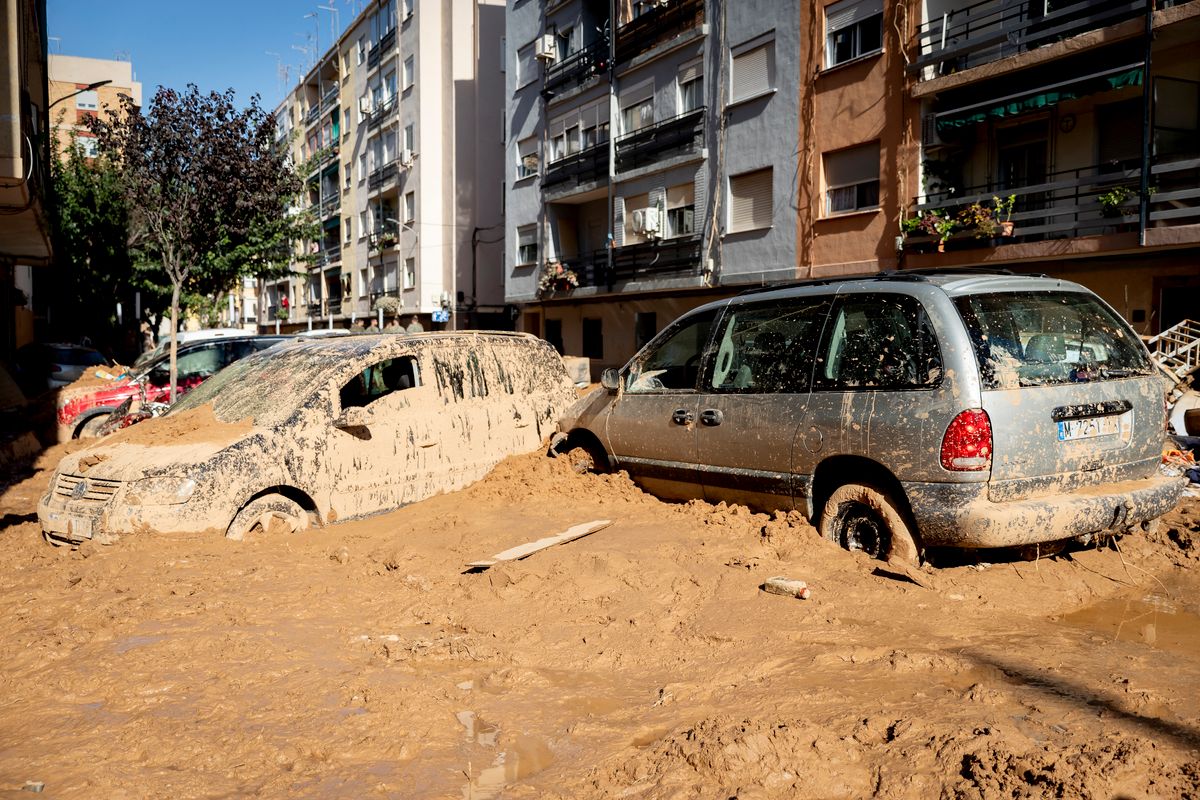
x,y
954,281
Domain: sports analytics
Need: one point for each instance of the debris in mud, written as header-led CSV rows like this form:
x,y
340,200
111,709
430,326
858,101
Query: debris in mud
x,y
901,570
787,587
524,550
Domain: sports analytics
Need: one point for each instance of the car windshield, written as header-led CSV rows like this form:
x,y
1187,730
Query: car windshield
x,y
1049,338
78,357
267,386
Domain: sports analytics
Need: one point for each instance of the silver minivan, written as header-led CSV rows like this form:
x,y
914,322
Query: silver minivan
x,y
898,412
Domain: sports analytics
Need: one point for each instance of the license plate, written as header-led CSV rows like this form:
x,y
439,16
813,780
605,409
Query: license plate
x,y
69,524
1070,430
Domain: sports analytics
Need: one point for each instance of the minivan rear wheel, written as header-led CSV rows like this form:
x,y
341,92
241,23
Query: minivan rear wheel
x,y
269,514
862,517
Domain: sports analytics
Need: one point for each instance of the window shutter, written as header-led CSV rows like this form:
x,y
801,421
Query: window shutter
x,y
855,165
752,72
689,73
750,201
844,14
619,222
631,97
682,195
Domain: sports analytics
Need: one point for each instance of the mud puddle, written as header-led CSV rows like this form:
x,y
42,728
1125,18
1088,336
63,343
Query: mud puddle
x,y
527,756
1161,619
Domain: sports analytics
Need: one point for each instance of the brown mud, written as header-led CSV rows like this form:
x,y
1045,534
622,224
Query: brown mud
x,y
195,426
643,661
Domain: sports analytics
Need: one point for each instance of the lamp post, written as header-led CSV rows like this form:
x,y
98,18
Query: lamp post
x,y
91,87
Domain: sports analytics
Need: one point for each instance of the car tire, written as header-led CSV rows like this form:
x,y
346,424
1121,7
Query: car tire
x,y
858,516
271,513
584,459
91,428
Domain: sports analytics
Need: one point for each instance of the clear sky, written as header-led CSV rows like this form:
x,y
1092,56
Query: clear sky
x,y
215,44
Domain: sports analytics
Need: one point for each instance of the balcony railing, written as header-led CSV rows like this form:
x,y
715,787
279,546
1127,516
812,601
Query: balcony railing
x,y
664,21
382,241
331,205
331,97
681,134
314,308
582,167
381,47
642,261
381,176
376,117
993,29
1071,203
378,293
333,305
313,115
330,254
577,68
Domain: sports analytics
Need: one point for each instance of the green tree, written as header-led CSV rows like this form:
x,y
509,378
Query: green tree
x,y
209,191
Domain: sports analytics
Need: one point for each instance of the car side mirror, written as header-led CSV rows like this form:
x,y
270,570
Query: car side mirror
x,y
353,417
610,379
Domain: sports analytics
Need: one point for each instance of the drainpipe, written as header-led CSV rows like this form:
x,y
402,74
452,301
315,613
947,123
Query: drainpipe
x,y
1143,198
613,116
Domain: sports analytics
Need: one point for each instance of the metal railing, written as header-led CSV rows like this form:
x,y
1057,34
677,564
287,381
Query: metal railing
x,y
312,116
584,166
385,43
376,117
331,205
665,21
989,30
378,293
578,67
333,305
681,134
641,261
330,98
381,176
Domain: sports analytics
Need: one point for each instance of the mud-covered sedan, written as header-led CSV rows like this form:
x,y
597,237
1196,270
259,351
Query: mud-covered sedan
x,y
312,432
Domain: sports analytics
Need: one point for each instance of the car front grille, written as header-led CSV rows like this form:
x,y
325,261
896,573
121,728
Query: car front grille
x,y
94,490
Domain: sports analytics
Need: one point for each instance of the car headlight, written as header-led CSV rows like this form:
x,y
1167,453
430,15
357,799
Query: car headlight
x,y
160,491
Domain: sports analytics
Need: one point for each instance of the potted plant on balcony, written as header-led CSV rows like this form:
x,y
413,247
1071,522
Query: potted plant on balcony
x,y
980,219
1112,202
556,277
1002,211
934,223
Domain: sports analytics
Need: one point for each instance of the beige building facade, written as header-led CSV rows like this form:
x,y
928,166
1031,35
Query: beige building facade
x,y
399,126
74,102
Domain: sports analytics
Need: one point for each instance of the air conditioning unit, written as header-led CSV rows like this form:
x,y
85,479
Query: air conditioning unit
x,y
651,223
547,49
406,157
638,220
929,132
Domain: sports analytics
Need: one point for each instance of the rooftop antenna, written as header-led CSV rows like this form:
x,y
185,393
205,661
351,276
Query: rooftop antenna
x,y
307,50
57,43
315,17
281,71
334,22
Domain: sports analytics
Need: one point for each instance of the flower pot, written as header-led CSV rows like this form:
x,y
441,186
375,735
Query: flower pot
x,y
1008,228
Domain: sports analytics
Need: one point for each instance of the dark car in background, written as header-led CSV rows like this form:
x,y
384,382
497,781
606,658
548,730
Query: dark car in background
x,y
41,366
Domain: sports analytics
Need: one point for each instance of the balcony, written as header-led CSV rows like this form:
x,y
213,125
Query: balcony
x,y
314,309
383,45
667,20
990,30
333,305
331,205
376,117
582,167
377,293
644,261
681,134
1067,204
382,241
577,68
331,97
330,254
312,116
381,176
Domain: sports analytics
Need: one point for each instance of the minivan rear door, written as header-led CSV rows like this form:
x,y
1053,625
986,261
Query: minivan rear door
x,y
754,397
1070,390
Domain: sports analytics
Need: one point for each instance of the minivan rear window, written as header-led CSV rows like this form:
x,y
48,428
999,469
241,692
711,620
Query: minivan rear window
x,y
1049,338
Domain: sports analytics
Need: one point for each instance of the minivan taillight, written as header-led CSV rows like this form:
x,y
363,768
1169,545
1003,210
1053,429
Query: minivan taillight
x,y
967,445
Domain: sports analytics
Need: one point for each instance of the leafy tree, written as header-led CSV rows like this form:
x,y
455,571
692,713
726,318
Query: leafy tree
x,y
208,191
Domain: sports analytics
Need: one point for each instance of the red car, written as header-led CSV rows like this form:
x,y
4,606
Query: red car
x,y
83,410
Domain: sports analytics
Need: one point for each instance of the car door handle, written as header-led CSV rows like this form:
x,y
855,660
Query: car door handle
x,y
711,417
682,416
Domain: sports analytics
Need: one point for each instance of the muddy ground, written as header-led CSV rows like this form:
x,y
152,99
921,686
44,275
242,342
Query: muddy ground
x,y
642,661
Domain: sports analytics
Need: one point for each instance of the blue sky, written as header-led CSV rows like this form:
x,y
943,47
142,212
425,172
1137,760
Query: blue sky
x,y
215,44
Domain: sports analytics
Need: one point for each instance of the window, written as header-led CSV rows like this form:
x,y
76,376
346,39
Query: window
x,y
645,325
389,86
879,341
363,224
364,107
681,210
527,248
593,337
753,71
410,207
407,8
853,28
410,273
410,73
564,138
363,286
526,66
389,147
346,172
410,139
691,89
769,347
380,380
360,50
348,227
554,334
673,364
87,146
362,166
750,201
852,179
87,101
346,123
637,108
527,157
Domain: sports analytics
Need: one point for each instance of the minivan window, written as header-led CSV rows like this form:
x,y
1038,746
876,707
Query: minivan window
x,y
768,347
672,363
880,341
1049,338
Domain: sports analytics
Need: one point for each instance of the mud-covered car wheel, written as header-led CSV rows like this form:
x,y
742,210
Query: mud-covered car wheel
x,y
583,459
92,428
862,517
270,514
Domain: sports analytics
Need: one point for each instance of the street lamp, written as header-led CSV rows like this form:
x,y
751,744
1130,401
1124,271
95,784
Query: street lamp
x,y
89,88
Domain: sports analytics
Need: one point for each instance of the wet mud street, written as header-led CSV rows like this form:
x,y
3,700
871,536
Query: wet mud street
x,y
642,661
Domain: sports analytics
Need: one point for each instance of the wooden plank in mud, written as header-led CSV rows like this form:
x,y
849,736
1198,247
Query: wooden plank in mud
x,y
529,548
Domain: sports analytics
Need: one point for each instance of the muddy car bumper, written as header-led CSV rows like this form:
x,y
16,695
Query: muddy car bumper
x,y
961,515
77,522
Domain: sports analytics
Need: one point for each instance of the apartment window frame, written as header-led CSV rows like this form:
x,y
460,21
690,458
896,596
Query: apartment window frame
x,y
410,138
347,230
527,65
410,273
88,100
88,146
528,160
410,73
748,78
745,213
363,223
409,7
360,50
410,207
851,183
527,246
862,22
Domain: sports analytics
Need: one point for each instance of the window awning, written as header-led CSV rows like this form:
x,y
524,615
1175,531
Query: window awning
x,y
1024,102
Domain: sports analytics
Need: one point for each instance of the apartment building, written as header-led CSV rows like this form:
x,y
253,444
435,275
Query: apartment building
x,y
1082,120
651,162
74,101
399,126
24,169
